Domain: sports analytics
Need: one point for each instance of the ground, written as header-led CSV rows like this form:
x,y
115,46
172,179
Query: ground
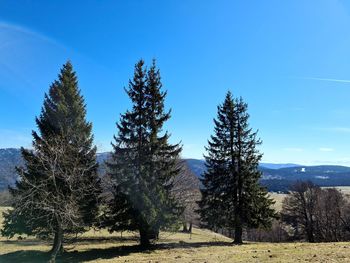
x,y
278,200
344,189
201,246
278,197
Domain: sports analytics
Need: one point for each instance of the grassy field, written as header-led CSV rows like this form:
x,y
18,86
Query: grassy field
x,y
202,246
279,197
278,200
344,189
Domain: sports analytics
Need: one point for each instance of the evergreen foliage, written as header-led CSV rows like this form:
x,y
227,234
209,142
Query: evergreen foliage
x,y
58,188
232,197
144,163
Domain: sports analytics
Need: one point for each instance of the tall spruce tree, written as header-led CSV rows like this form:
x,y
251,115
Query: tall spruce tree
x,y
232,197
143,162
58,189
163,157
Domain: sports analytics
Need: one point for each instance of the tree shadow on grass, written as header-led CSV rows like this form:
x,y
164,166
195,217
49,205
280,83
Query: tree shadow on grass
x,y
25,256
30,256
102,253
92,240
182,244
24,242
34,256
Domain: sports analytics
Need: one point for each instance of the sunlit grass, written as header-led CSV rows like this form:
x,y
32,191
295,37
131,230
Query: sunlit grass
x,y
201,246
280,197
278,200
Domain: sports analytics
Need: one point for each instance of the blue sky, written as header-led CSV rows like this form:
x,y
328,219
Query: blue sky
x,y
290,60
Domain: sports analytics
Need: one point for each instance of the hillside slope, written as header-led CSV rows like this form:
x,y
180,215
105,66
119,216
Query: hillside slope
x,y
201,246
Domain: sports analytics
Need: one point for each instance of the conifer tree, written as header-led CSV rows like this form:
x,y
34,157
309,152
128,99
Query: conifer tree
x,y
58,190
143,163
232,197
163,157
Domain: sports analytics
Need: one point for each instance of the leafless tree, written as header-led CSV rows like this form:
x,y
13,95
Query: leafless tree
x,y
277,233
48,203
321,215
187,193
329,215
299,208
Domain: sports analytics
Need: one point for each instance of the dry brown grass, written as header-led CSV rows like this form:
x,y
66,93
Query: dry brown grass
x,y
278,200
279,197
202,246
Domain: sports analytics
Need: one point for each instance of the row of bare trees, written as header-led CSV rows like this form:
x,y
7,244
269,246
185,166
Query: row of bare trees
x,y
317,214
309,213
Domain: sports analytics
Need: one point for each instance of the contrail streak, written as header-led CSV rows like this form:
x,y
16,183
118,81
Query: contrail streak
x,y
330,80
16,28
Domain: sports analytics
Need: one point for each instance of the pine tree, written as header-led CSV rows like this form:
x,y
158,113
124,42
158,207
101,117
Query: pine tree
x,y
232,197
144,163
212,205
58,189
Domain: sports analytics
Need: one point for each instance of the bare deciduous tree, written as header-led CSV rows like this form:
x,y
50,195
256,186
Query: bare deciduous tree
x,y
48,203
319,215
299,208
187,193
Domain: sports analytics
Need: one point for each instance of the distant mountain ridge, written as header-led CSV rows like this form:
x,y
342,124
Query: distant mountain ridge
x,y
276,177
279,177
9,159
198,166
279,165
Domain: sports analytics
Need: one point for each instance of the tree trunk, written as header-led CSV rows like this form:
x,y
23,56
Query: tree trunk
x,y
238,235
310,235
190,228
155,234
184,227
144,238
57,246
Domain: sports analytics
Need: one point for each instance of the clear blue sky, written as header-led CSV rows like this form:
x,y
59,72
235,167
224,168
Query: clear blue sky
x,y
290,60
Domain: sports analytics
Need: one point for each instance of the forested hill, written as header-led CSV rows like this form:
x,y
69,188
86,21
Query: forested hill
x,y
277,177
322,175
9,159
